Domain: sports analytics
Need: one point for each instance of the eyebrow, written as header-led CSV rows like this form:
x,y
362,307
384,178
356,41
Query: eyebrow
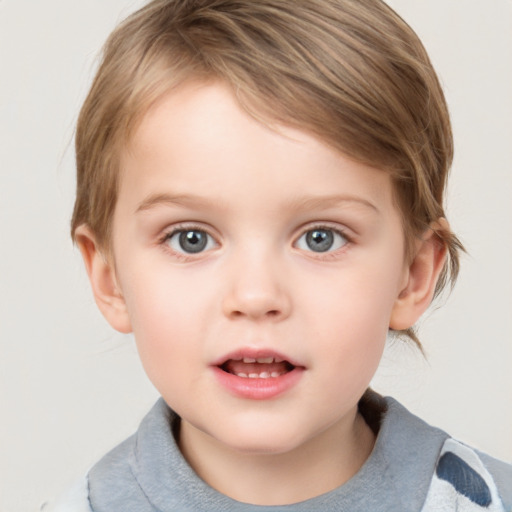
x,y
154,200
332,201
301,203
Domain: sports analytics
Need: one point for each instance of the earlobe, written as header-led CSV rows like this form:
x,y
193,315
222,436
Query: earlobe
x,y
103,281
421,278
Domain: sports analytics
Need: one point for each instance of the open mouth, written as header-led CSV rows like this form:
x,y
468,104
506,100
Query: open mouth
x,y
257,368
257,374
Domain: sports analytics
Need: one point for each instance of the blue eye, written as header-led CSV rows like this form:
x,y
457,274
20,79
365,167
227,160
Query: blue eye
x,y
190,241
321,240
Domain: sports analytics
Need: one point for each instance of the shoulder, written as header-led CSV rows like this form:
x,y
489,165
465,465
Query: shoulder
x,y
112,478
436,473
502,475
76,499
469,481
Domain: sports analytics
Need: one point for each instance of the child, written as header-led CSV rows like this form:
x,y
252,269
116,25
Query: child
x,y
260,200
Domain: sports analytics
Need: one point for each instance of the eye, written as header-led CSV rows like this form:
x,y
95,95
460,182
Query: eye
x,y
190,241
321,240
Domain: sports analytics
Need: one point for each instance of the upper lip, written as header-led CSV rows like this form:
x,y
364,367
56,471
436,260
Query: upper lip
x,y
255,353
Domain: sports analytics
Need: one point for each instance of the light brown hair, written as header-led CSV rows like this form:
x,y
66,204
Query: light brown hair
x,y
350,72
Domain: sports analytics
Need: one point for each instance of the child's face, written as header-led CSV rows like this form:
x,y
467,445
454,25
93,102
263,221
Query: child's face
x,y
234,241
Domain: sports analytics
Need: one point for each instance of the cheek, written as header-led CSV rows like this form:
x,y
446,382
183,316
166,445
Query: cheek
x,y
166,331
163,310
356,300
350,314
354,335
159,296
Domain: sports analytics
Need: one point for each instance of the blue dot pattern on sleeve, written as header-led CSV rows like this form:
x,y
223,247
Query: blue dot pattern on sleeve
x,y
464,479
462,482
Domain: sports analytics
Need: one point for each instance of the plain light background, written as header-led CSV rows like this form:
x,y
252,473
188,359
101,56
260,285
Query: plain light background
x,y
71,388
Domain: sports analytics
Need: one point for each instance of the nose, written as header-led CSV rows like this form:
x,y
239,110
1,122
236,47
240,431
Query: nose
x,y
256,289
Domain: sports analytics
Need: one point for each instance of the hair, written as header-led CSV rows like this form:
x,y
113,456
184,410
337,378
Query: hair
x,y
350,72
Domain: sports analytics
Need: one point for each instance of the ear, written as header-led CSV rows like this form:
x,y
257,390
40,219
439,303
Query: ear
x,y
420,279
102,277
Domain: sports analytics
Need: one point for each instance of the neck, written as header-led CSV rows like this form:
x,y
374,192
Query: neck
x,y
320,465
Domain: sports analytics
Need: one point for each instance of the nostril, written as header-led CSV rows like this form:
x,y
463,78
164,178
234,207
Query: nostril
x,y
272,313
240,303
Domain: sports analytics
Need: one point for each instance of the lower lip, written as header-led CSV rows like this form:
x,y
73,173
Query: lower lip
x,y
258,389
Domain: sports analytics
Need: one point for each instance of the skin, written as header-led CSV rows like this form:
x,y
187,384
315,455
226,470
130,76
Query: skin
x,y
198,162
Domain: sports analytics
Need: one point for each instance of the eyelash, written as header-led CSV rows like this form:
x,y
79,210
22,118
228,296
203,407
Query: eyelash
x,y
184,256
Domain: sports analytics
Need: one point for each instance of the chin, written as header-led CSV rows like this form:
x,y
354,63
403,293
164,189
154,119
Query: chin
x,y
263,441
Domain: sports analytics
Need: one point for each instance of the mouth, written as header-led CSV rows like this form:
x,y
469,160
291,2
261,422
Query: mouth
x,y
269,367
257,374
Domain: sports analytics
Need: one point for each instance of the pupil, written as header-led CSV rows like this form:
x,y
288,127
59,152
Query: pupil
x,y
320,240
193,241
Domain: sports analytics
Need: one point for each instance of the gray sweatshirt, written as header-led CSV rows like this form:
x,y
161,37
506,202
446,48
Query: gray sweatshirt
x,y
413,467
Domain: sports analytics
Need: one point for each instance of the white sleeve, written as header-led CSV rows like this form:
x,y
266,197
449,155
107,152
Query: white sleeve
x,y
76,499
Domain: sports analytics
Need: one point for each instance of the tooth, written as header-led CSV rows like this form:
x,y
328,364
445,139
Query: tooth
x,y
275,374
278,360
243,375
249,360
265,360
253,375
264,375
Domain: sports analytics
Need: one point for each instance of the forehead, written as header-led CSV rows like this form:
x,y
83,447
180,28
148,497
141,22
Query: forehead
x,y
198,138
